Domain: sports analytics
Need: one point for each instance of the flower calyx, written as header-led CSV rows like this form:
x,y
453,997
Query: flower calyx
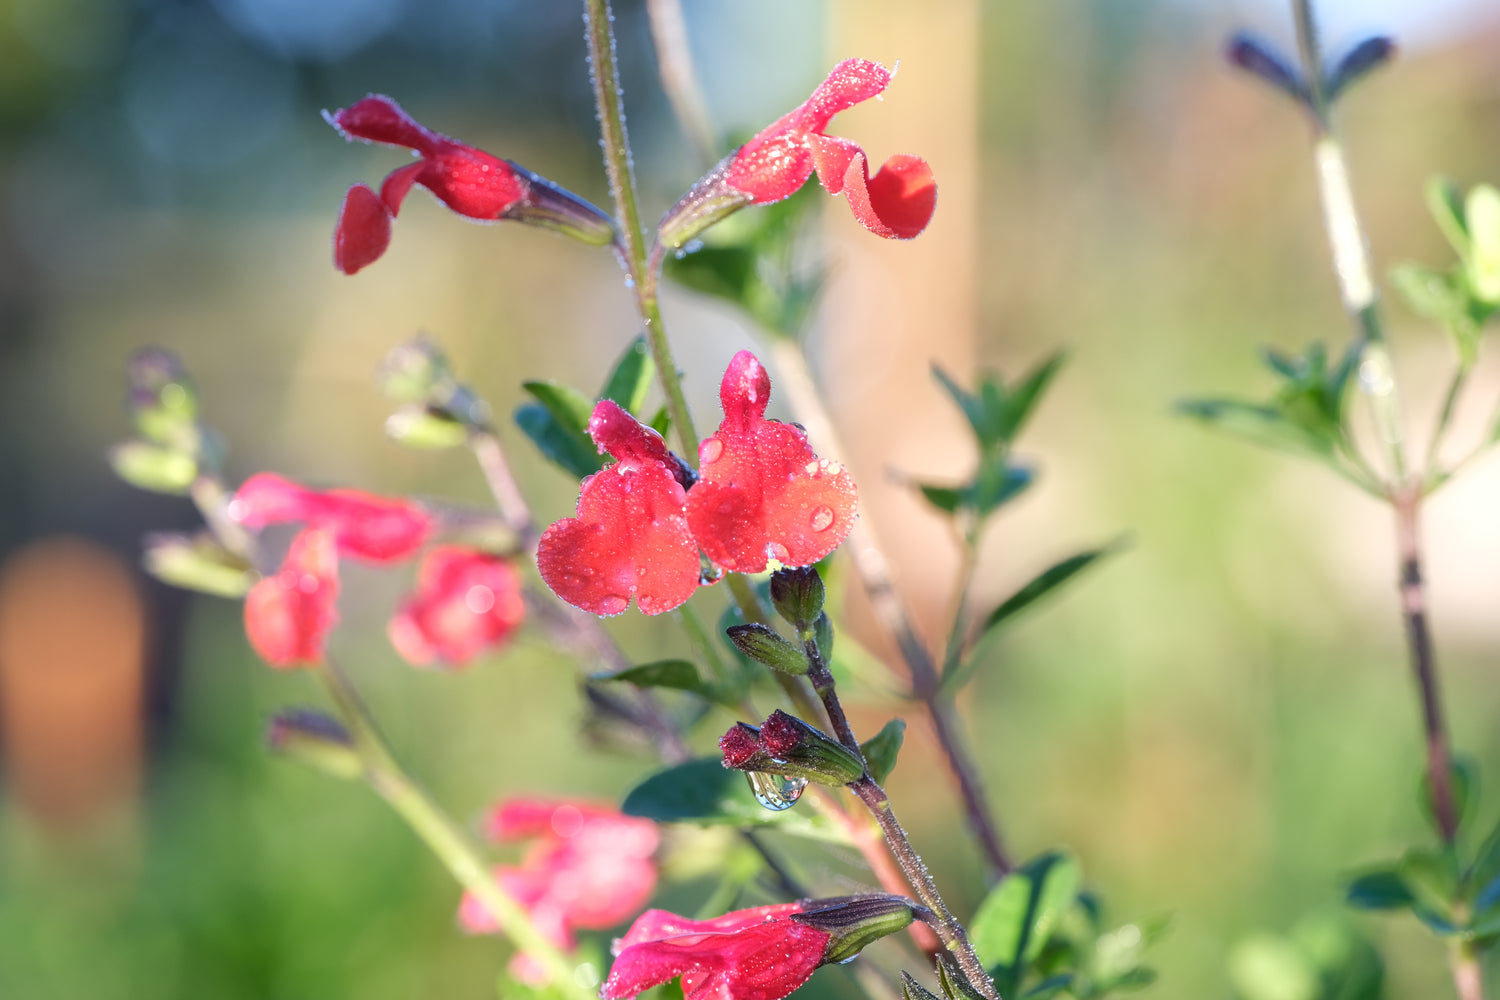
x,y
853,922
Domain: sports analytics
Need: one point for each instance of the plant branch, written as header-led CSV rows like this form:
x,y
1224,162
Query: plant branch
x,y
674,62
514,510
871,568
446,839
641,271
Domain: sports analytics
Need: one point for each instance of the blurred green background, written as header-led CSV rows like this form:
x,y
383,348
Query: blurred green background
x,y
1219,722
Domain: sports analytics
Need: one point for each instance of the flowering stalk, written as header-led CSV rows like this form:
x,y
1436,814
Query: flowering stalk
x,y
444,837
600,32
1378,379
871,567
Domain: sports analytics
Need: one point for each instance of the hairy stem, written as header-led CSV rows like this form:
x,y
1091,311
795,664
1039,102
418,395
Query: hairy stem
x,y
871,568
949,930
634,254
444,837
514,510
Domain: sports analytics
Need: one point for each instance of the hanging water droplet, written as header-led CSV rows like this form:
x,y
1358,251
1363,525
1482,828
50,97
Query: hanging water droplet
x,y
821,519
775,792
613,604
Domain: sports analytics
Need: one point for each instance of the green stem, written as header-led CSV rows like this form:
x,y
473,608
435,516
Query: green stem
x,y
1468,973
444,837
635,257
1440,429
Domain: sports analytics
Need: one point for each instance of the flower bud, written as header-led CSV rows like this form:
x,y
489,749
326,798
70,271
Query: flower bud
x,y
823,636
852,922
197,562
163,400
789,747
798,596
153,467
418,426
1260,58
1365,57
954,981
764,645
549,206
710,200
913,990
413,370
315,739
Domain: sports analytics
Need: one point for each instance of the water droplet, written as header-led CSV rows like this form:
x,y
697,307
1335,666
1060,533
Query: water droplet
x,y
821,519
775,792
479,599
613,604
710,451
777,551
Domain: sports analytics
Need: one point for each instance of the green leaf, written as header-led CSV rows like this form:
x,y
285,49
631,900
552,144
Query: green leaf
x,y
881,749
1026,394
944,498
725,272
972,406
1463,775
1432,878
1446,203
1379,889
913,990
1269,967
998,483
1046,582
1049,987
680,675
1265,425
1018,916
1484,875
571,407
1482,213
631,377
703,791
661,422
573,452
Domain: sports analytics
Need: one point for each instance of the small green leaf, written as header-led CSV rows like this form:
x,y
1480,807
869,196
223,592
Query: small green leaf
x,y
631,377
881,749
913,990
997,484
1446,203
1045,582
1379,889
571,407
1463,775
944,498
703,791
1482,213
153,468
1027,393
660,422
1484,875
573,452
1018,916
1049,987
725,272
972,406
1432,878
1264,425
680,675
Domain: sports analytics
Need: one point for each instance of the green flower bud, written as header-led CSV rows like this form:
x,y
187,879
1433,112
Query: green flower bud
x,y
198,562
798,596
765,645
152,467
315,739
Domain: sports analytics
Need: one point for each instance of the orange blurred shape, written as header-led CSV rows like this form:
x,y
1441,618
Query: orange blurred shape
x,y
72,644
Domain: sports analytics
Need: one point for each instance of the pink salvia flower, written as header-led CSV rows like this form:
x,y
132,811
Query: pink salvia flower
x,y
763,493
590,869
896,203
755,954
470,181
364,526
466,602
631,535
289,614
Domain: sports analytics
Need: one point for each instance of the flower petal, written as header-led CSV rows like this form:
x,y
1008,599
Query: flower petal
x,y
763,493
365,526
472,182
765,960
377,118
288,615
465,603
397,184
850,82
363,230
897,202
631,536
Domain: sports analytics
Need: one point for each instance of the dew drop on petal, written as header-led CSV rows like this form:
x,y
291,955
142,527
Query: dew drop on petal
x,y
822,518
479,599
775,792
710,451
612,604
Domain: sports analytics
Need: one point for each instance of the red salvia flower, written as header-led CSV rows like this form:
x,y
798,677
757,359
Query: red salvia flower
x,y
896,203
631,534
591,868
364,526
465,603
755,954
470,181
288,615
763,493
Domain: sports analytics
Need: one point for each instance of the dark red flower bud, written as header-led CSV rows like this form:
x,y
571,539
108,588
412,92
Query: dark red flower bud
x,y
470,181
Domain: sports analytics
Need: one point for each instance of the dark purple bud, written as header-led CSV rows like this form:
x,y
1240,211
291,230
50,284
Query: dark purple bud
x,y
1259,57
1354,65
